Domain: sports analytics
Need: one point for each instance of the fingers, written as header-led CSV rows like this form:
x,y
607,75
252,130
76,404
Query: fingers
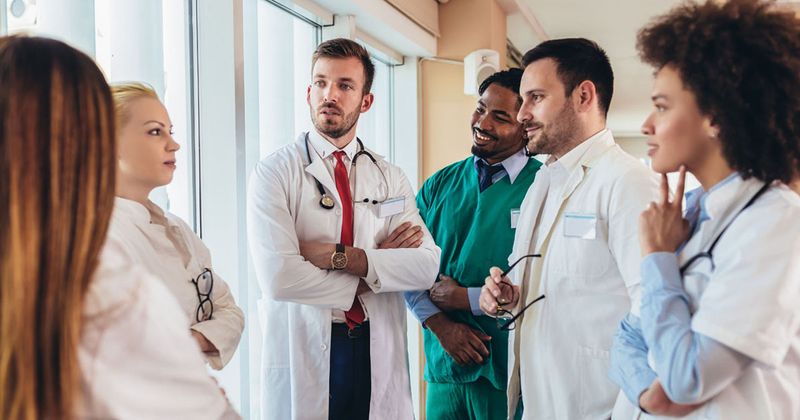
x,y
410,237
664,189
493,285
472,355
487,302
398,231
679,190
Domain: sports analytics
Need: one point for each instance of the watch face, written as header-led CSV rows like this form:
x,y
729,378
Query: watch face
x,y
339,260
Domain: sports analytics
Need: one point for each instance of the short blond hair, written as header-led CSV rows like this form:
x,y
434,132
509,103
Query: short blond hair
x,y
125,93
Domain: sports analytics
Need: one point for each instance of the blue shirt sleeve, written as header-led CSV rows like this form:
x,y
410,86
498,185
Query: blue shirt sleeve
x,y
474,294
420,304
629,368
691,367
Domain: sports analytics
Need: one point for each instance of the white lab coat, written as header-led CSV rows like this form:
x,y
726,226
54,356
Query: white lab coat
x,y
147,244
136,356
298,298
589,284
749,303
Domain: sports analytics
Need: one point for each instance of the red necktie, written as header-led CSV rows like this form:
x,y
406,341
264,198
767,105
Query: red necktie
x,y
355,316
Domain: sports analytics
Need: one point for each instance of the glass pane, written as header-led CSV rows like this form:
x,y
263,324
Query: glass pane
x,y
157,56
374,126
284,73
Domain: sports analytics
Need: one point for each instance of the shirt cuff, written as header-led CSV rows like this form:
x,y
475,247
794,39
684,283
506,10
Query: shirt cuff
x,y
371,278
638,384
660,270
474,294
421,305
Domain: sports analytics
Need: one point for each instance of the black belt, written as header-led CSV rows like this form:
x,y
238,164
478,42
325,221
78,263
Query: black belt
x,y
340,329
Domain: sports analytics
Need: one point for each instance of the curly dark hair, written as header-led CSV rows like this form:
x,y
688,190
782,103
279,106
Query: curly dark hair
x,y
508,79
741,59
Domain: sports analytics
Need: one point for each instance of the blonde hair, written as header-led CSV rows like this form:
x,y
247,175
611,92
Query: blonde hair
x,y
125,93
57,166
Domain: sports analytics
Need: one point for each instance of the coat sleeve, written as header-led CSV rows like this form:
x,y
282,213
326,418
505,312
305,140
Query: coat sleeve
x,y
283,274
410,268
225,327
630,195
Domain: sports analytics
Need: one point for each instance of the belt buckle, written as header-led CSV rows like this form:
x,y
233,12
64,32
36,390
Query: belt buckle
x,y
355,332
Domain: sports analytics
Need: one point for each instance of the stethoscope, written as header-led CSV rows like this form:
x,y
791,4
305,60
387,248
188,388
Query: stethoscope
x,y
326,201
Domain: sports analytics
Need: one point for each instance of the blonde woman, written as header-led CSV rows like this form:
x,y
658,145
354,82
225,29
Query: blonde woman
x,y
80,336
161,241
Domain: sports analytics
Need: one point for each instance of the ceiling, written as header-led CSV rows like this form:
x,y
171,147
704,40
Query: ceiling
x,y
611,23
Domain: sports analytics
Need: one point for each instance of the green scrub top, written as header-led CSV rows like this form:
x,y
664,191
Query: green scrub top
x,y
474,231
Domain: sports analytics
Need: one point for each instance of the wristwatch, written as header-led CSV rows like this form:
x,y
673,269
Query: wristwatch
x,y
339,258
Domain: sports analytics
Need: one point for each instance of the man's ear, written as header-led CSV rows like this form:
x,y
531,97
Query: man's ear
x,y
584,96
308,95
366,102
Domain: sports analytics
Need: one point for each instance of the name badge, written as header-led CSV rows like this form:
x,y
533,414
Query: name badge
x,y
514,218
577,225
391,207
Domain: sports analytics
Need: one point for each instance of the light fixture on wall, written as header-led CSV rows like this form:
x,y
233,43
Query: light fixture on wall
x,y
478,65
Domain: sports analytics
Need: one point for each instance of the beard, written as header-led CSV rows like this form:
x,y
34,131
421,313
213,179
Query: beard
x,y
555,136
325,126
483,153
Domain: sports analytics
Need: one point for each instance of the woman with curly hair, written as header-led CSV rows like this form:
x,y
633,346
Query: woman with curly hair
x,y
718,331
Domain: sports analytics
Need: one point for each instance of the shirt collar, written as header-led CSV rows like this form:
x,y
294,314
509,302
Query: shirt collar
x,y
513,164
713,201
571,159
133,210
325,149
140,214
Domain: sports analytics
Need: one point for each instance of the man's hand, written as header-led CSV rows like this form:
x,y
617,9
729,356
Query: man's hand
x,y
656,402
498,292
318,253
363,287
662,227
205,345
404,236
464,344
448,295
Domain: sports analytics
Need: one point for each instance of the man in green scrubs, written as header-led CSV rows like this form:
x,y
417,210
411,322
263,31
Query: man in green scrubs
x,y
470,208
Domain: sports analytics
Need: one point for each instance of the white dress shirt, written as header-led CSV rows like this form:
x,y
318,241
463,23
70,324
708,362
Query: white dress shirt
x,y
168,248
137,358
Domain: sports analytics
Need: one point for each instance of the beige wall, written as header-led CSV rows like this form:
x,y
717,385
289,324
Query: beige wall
x,y
445,111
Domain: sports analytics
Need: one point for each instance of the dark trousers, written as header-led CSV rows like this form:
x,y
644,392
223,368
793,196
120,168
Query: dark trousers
x,y
350,373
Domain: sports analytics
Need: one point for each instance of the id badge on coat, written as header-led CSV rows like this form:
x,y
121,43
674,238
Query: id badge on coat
x,y
514,218
580,225
391,206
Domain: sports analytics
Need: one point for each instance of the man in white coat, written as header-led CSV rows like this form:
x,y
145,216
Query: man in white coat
x,y
579,217
336,237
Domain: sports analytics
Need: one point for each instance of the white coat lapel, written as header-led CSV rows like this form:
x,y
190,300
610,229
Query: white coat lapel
x,y
531,206
318,170
548,220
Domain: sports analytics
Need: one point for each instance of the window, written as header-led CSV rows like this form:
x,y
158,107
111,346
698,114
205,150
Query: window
x,y
375,126
114,34
285,45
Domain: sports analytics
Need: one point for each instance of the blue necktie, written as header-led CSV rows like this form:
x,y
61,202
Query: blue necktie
x,y
485,174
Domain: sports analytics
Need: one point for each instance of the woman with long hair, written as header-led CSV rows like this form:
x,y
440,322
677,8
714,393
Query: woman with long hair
x,y
717,335
161,241
81,336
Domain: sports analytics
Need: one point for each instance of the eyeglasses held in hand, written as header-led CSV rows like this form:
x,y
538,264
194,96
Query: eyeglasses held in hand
x,y
507,320
204,285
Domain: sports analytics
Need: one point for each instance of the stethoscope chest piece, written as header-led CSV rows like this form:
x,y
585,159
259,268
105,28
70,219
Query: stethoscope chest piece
x,y
326,202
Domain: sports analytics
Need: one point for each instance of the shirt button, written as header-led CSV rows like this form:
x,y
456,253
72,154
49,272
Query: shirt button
x,y
324,347
338,212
